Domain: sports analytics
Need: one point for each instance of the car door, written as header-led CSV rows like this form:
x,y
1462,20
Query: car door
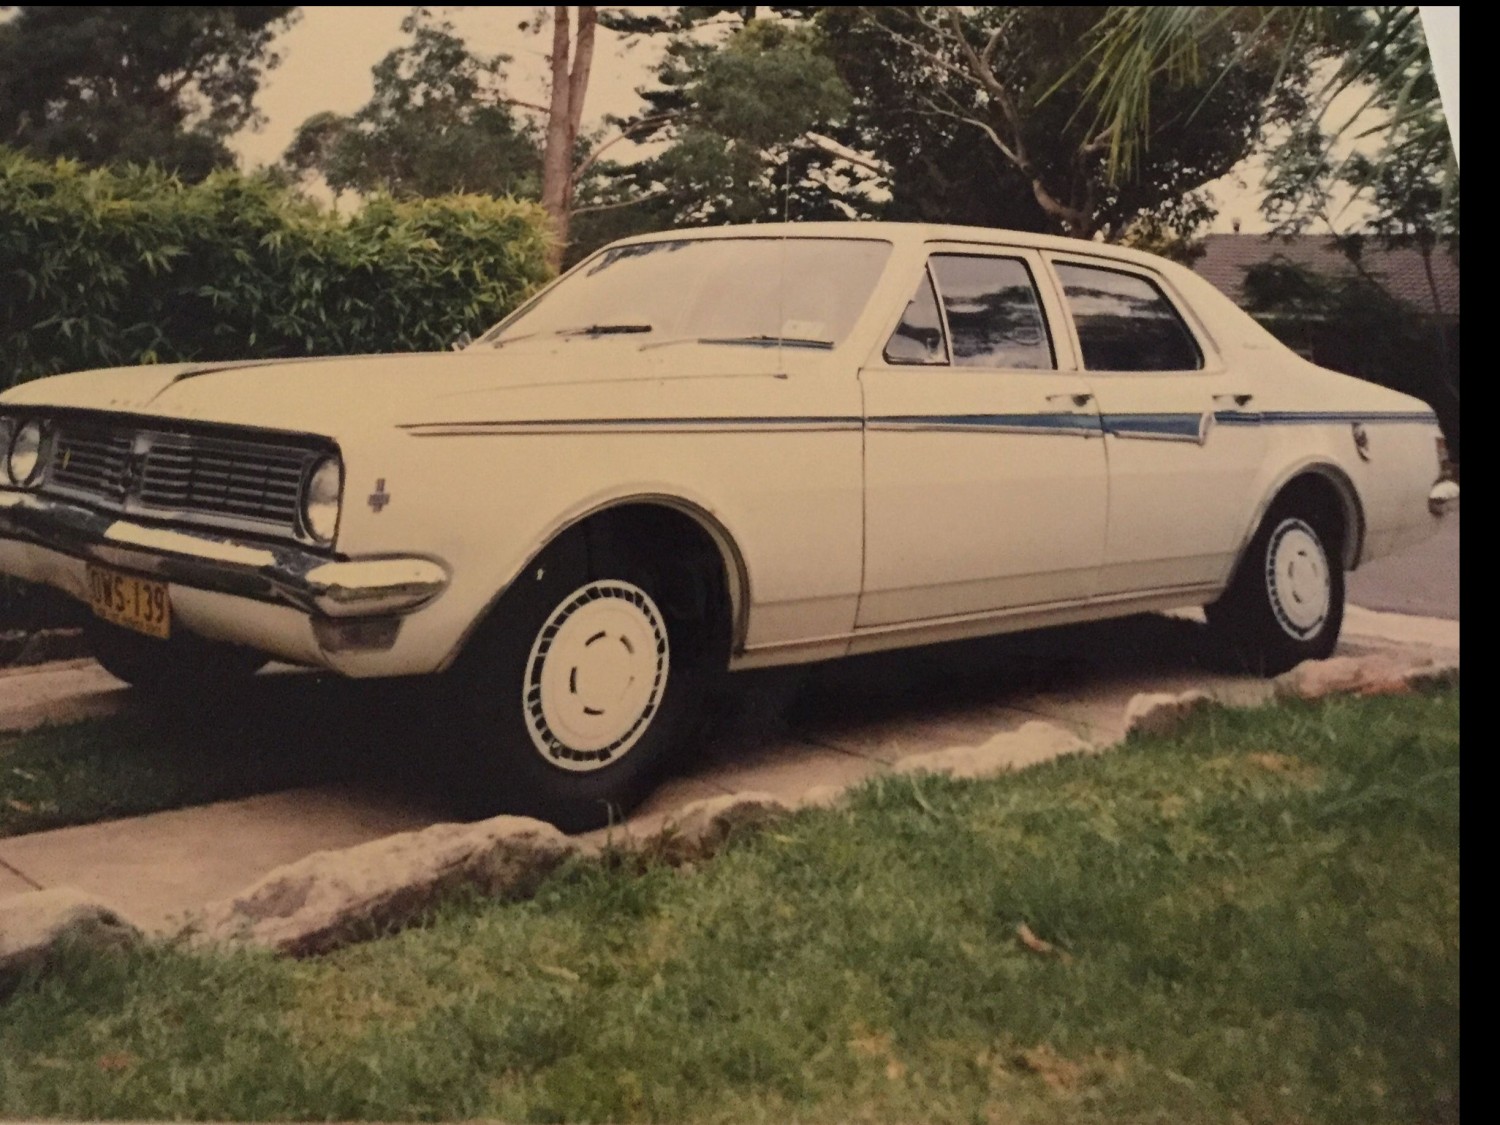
x,y
1181,438
985,478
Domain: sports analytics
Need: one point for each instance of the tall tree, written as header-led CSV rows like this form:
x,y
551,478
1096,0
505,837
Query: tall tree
x,y
439,121
737,123
969,115
981,114
153,84
1137,53
572,61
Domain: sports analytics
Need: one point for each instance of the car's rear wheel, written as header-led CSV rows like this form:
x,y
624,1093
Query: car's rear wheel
x,y
574,695
185,664
1286,602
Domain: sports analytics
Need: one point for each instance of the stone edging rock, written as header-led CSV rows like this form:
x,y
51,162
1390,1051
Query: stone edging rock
x,y
334,898
36,925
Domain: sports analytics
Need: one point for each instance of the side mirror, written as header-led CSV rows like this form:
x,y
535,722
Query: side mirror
x,y
463,341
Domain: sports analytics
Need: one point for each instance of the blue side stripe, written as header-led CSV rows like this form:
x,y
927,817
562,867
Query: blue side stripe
x,y
1315,417
1178,425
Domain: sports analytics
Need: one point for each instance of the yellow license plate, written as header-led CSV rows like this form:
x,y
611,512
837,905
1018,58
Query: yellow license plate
x,y
136,603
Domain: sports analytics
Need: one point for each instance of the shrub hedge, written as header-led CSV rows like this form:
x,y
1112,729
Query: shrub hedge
x,y
100,268
108,267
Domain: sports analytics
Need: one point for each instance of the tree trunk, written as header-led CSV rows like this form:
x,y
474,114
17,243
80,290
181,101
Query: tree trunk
x,y
571,63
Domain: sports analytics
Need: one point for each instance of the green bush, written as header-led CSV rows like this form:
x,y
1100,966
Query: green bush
x,y
110,267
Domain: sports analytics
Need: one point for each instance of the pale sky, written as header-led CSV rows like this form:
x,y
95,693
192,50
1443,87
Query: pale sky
x,y
328,53
327,56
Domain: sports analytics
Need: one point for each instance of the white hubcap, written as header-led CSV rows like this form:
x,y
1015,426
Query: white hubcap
x,y
1297,579
595,676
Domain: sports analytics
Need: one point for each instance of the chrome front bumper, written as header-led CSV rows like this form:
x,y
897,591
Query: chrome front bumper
x,y
1443,498
278,574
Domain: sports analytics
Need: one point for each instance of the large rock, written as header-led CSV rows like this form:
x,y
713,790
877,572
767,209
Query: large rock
x,y
1375,674
334,898
1034,741
34,925
1161,713
700,829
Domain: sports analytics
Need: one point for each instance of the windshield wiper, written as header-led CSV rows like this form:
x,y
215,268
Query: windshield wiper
x,y
604,330
503,340
747,341
769,341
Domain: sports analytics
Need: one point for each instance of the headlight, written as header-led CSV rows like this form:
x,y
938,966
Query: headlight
x,y
24,459
320,502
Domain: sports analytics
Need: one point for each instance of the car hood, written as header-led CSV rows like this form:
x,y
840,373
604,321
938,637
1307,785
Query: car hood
x,y
337,395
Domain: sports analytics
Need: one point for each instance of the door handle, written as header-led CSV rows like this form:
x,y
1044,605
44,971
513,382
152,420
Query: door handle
x,y
1077,399
1241,399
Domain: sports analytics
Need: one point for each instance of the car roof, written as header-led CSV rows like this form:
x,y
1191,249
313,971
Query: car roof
x,y
905,233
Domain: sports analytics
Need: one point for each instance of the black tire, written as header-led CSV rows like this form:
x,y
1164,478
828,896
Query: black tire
x,y
1285,603
530,742
186,665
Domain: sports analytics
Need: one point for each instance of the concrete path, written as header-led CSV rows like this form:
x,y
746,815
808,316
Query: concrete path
x,y
790,731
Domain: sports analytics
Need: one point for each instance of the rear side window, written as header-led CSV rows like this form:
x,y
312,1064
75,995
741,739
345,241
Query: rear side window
x,y
1125,322
994,316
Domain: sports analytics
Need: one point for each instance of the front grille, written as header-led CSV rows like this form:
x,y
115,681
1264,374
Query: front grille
x,y
249,483
90,463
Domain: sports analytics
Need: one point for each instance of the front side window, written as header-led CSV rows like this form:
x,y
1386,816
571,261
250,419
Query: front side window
x,y
1125,322
993,316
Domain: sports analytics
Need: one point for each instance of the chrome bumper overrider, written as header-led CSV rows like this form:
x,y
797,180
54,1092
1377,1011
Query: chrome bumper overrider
x,y
290,575
1443,498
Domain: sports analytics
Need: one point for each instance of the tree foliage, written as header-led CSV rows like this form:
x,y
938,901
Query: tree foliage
x,y
1381,65
437,123
731,116
105,85
981,114
108,267
970,115
1409,180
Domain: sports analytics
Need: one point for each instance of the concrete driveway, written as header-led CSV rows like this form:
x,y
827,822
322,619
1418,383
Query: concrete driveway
x,y
789,731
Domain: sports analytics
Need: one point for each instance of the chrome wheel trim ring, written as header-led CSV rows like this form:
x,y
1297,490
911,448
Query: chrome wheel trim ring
x,y
595,676
1299,585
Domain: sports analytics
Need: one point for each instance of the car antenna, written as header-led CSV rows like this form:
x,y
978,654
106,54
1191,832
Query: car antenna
x,y
786,218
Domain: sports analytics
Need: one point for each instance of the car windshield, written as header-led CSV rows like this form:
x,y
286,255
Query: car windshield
x,y
752,291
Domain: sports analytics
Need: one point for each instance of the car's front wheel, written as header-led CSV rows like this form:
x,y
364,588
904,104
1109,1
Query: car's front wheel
x,y
186,665
573,696
1286,602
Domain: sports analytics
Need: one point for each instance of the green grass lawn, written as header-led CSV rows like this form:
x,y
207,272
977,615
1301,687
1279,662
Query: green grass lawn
x,y
124,766
1258,922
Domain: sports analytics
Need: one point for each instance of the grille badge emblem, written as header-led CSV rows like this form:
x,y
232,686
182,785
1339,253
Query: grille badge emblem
x,y
134,469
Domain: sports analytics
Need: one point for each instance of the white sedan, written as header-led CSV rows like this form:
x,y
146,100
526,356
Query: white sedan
x,y
716,450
